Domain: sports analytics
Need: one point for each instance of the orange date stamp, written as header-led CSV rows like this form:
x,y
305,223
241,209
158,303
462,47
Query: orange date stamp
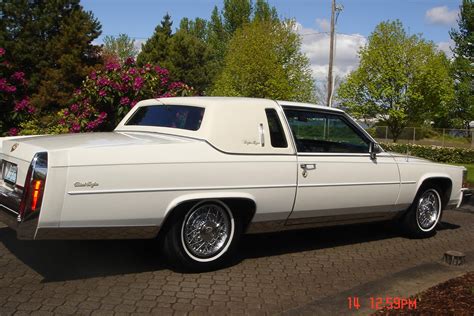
x,y
376,303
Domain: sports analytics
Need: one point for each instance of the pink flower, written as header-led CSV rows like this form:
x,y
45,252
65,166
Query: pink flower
x,y
102,93
130,61
132,71
103,81
66,112
21,105
138,83
124,101
93,75
18,76
2,51
112,66
133,103
74,107
13,131
102,115
77,91
125,78
75,127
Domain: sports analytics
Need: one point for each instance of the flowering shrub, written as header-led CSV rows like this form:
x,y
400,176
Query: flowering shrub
x,y
107,95
16,106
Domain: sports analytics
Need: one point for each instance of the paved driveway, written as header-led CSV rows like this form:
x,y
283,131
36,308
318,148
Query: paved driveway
x,y
273,272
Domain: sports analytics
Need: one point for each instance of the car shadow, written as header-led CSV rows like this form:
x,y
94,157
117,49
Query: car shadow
x,y
70,260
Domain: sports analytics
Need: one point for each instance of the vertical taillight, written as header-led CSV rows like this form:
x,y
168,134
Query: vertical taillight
x,y
34,186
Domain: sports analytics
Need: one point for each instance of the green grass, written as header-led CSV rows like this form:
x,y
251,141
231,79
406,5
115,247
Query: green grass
x,y
470,173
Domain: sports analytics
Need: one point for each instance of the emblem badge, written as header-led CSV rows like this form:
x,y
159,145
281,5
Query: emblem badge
x,y
15,146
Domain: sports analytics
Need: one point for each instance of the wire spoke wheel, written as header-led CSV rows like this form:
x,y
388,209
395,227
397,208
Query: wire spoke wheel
x,y
428,210
206,231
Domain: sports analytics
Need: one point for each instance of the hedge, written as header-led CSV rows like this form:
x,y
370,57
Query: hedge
x,y
434,153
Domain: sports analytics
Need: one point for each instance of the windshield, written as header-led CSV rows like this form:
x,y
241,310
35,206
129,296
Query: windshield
x,y
175,116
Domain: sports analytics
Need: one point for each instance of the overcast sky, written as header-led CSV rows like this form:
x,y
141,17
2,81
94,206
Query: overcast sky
x,y
432,18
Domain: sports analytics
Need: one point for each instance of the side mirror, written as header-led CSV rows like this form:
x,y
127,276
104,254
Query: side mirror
x,y
373,150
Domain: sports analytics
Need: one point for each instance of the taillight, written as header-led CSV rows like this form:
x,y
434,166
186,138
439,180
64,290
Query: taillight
x,y
34,186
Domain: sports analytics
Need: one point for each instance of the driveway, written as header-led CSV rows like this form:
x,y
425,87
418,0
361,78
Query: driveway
x,y
272,272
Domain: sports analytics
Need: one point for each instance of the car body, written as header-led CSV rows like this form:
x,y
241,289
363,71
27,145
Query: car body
x,y
203,170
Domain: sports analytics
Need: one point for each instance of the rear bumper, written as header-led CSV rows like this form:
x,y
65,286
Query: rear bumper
x,y
465,197
9,206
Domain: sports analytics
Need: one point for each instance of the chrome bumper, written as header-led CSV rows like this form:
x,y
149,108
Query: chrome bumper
x,y
465,197
9,207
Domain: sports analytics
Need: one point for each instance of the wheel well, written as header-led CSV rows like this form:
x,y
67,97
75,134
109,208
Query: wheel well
x,y
444,184
242,208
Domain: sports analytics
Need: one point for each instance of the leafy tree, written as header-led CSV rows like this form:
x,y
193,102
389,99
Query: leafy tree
x,y
52,43
463,70
120,47
155,50
401,79
264,60
263,12
236,13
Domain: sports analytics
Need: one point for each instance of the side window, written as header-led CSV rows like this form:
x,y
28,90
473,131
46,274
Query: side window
x,y
277,135
324,132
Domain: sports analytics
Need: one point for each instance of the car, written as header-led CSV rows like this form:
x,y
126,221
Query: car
x,y
198,172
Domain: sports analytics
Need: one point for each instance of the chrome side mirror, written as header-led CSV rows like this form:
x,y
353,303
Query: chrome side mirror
x,y
373,150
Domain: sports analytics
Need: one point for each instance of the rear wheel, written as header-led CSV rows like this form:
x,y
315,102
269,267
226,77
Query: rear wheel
x,y
202,237
425,213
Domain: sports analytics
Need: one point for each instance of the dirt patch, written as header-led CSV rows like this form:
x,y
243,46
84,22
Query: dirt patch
x,y
453,297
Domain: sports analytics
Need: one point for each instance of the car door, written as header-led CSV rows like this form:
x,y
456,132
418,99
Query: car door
x,y
337,179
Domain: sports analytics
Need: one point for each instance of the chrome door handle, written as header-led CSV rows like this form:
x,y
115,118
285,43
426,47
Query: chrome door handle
x,y
310,166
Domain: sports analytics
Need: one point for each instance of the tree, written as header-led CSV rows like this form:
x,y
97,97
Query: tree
x,y
463,66
401,79
120,47
264,60
236,13
155,50
52,43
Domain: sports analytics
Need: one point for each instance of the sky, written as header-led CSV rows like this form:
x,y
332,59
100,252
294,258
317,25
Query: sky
x,y
432,18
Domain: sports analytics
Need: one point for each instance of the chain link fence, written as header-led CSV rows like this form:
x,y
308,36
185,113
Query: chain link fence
x,y
444,137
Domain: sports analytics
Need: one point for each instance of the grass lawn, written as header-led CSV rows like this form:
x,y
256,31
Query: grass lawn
x,y
470,173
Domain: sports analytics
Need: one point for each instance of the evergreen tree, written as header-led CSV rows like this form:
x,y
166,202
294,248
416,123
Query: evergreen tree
x,y
155,50
52,42
463,69
236,13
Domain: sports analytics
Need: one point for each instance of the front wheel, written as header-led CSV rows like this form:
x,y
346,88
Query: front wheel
x,y
424,214
202,237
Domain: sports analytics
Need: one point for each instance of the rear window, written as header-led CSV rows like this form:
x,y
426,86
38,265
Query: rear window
x,y
175,116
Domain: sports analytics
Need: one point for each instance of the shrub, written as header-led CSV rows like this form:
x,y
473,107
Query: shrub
x,y
106,96
435,153
16,106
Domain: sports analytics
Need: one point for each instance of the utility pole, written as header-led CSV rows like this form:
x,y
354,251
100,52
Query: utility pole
x,y
331,53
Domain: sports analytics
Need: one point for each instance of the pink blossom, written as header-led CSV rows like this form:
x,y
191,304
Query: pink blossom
x,y
176,85
18,76
62,121
130,61
125,78
166,95
102,115
124,101
74,107
93,75
75,127
2,51
102,93
21,105
13,131
161,71
103,81
133,103
77,91
112,66
132,71
138,83
66,112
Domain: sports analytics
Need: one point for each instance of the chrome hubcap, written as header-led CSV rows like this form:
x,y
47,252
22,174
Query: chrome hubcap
x,y
206,230
429,207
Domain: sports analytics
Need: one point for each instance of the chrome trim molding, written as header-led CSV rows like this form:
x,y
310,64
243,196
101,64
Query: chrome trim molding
x,y
183,189
96,233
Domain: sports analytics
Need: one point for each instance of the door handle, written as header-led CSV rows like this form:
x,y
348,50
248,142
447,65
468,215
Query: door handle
x,y
310,166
